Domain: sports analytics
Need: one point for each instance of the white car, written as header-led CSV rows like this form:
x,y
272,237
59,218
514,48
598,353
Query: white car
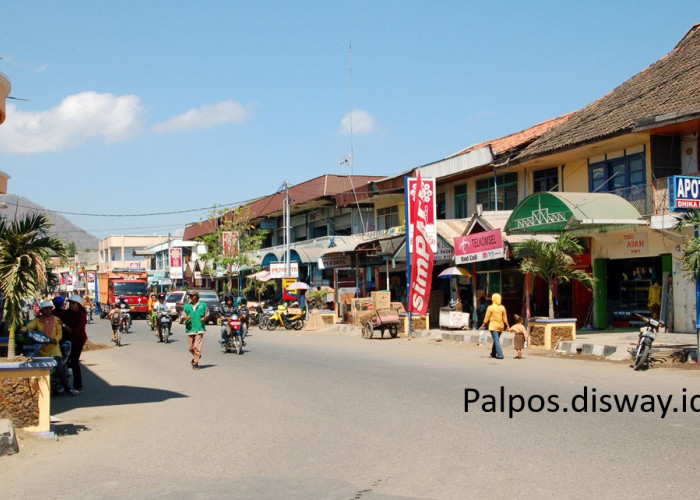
x,y
172,300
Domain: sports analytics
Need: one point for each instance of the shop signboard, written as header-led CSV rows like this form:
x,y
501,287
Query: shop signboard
x,y
635,244
486,245
277,270
329,261
444,251
176,263
683,192
229,243
427,210
91,280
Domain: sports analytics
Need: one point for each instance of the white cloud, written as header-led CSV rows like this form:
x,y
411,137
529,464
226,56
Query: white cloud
x,y
77,119
36,68
359,120
206,116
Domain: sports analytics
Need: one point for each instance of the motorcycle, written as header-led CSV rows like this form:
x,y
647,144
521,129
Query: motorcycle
x,y
647,335
164,324
289,321
125,321
32,341
233,339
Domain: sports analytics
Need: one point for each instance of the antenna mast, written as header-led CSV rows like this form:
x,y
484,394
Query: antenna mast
x,y
352,145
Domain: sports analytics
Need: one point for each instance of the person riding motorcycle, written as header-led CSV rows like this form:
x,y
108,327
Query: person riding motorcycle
x,y
227,310
158,306
124,306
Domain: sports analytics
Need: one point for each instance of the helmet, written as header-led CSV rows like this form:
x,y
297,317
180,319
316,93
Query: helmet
x,y
46,303
59,301
121,297
77,299
243,301
228,296
161,295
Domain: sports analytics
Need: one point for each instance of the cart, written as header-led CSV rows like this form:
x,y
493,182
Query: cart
x,y
385,320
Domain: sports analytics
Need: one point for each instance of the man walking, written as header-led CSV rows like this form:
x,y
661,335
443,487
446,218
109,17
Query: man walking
x,y
195,315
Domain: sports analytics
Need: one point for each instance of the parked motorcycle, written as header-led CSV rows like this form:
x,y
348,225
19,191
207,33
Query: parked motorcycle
x,y
164,325
31,341
647,336
256,313
233,338
283,318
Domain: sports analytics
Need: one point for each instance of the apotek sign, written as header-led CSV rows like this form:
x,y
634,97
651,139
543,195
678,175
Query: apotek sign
x,y
486,245
683,192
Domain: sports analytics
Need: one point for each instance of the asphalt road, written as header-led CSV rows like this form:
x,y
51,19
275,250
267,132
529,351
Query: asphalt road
x,y
332,415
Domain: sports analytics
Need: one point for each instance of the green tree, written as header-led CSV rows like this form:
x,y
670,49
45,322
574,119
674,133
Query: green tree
x,y
690,249
231,243
259,288
552,262
26,248
71,249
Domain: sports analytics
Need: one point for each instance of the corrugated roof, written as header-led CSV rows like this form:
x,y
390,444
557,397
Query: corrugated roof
x,y
669,85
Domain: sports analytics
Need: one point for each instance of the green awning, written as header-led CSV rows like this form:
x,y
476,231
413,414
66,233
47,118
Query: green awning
x,y
575,213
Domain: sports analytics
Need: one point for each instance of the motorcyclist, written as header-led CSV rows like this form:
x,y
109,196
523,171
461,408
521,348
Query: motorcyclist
x,y
244,314
124,306
227,310
152,301
159,306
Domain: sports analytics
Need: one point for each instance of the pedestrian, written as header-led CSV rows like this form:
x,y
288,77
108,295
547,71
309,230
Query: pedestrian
x,y
520,335
74,318
497,319
196,314
481,310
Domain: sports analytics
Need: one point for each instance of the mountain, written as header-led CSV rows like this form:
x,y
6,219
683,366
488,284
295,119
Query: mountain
x,y
62,227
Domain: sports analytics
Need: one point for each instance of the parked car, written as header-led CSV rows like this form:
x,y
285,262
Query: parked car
x,y
209,297
173,300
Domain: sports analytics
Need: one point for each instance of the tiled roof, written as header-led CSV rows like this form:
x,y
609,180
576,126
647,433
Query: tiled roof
x,y
672,84
508,143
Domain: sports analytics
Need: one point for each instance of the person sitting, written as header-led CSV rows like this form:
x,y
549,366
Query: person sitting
x,y
228,309
50,325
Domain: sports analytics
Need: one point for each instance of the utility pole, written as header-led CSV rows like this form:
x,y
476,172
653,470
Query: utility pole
x,y
287,223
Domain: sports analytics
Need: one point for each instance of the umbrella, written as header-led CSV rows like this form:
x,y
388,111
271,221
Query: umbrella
x,y
298,285
453,272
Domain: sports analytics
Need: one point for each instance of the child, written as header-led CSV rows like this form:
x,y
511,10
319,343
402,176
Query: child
x,y
520,336
115,316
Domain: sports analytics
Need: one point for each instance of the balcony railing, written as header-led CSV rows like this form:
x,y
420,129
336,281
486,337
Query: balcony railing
x,y
650,199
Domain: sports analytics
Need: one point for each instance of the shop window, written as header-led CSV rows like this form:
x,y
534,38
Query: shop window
x,y
441,206
460,201
488,282
624,176
387,217
545,180
504,196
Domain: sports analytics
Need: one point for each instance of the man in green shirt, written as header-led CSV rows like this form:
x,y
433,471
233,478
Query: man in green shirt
x,y
195,315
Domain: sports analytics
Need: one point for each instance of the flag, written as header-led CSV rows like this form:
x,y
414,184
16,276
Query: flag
x,y
422,255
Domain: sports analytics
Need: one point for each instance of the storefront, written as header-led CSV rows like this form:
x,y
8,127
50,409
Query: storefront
x,y
618,245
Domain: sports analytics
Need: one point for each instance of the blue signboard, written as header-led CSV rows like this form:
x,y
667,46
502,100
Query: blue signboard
x,y
683,192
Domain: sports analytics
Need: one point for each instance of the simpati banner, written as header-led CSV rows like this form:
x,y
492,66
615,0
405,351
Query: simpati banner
x,y
427,214
421,208
176,263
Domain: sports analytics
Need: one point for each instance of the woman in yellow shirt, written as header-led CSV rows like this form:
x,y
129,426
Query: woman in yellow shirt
x,y
50,325
497,319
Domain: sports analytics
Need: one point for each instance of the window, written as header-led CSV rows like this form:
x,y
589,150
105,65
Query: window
x,y
460,201
441,206
545,180
504,197
622,176
387,217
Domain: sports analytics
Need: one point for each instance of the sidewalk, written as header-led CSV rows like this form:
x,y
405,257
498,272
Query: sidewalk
x,y
610,344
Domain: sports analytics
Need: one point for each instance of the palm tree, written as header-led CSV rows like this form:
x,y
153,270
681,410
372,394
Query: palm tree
x,y
259,288
690,249
552,262
25,264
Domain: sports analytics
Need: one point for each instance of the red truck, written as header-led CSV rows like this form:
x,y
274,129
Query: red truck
x,y
133,285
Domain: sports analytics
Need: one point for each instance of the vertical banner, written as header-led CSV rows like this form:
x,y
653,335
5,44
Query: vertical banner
x,y
428,206
229,243
422,207
289,294
91,280
175,261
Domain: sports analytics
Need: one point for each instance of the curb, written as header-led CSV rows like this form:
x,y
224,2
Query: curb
x,y
579,348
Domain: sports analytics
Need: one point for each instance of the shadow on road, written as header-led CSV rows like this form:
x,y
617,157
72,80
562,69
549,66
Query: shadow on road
x,y
69,429
100,393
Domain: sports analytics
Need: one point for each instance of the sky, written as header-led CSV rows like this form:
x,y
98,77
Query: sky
x,y
171,107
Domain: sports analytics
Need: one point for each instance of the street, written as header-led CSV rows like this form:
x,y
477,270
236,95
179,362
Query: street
x,y
332,415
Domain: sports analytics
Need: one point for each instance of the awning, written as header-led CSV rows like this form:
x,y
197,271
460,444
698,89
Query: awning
x,y
575,213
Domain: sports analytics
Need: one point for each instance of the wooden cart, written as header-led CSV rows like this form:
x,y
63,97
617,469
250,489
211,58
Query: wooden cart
x,y
381,320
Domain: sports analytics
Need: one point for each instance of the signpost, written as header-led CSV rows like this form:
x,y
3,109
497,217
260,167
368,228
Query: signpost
x,y
684,193
476,247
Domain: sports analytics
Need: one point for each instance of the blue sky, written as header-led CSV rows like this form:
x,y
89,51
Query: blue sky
x,y
139,107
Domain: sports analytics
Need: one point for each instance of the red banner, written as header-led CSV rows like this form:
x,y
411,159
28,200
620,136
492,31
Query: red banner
x,y
422,254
